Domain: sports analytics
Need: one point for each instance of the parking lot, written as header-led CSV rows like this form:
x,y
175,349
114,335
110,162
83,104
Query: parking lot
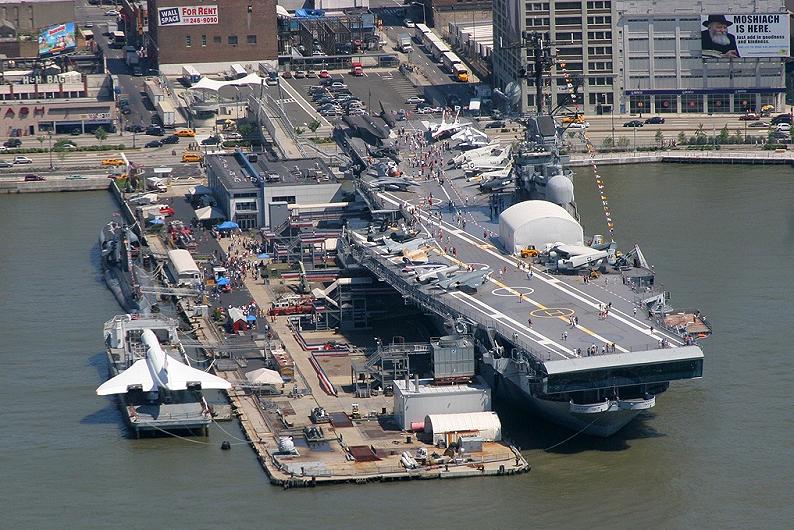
x,y
391,88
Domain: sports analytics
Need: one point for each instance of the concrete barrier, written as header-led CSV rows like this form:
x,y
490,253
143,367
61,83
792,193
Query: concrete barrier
x,y
50,186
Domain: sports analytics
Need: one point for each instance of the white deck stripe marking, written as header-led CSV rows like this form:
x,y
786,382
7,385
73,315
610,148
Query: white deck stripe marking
x,y
539,337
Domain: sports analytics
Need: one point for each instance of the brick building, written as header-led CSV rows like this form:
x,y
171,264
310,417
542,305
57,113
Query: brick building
x,y
211,35
26,17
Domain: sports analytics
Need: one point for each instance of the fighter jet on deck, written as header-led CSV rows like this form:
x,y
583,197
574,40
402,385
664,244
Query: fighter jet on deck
x,y
398,248
392,184
159,371
444,130
470,280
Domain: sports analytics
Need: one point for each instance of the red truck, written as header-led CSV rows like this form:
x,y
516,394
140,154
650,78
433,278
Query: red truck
x,y
357,69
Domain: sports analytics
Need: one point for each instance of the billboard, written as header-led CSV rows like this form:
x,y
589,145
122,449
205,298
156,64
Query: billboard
x,y
57,39
187,15
745,36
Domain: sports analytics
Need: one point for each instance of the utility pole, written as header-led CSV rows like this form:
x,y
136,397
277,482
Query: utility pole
x,y
541,61
49,137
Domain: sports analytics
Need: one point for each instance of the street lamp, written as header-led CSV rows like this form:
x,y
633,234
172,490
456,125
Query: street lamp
x,y
49,137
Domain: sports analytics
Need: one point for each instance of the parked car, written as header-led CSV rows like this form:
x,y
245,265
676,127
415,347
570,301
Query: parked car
x,y
6,163
408,23
12,143
212,140
34,178
577,125
299,74
783,127
324,74
154,143
781,118
135,128
76,132
232,136
311,74
75,177
654,120
111,13
415,100
750,116
19,159
172,139
287,74
758,125
337,85
155,130
633,123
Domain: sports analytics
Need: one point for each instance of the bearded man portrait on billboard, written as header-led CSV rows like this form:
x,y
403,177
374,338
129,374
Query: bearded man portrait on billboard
x,y
715,40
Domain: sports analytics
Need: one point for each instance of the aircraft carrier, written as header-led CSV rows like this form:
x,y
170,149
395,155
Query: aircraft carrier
x,y
574,329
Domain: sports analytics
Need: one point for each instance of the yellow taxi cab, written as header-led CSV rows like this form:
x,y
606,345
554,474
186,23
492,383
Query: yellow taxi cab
x,y
573,118
112,162
186,133
192,157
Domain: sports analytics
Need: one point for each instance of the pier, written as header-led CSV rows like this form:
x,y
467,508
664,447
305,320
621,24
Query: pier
x,y
359,441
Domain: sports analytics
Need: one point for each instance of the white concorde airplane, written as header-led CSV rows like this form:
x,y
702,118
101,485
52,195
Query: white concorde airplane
x,y
159,371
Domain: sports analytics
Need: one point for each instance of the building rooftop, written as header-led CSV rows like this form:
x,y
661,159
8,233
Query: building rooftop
x,y
426,387
237,172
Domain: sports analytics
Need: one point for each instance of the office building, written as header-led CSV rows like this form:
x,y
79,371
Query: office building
x,y
256,193
635,56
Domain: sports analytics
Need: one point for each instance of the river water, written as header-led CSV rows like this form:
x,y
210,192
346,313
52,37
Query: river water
x,y
716,452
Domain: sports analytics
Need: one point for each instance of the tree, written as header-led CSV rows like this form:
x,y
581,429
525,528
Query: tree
x,y
246,130
624,141
101,134
737,137
608,142
723,136
41,140
659,138
682,138
700,135
313,125
299,131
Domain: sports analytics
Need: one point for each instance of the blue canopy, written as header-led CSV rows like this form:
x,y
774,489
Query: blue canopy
x,y
263,255
251,318
156,221
223,281
227,225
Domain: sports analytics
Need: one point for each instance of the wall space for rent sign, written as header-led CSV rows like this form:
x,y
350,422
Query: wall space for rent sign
x,y
187,15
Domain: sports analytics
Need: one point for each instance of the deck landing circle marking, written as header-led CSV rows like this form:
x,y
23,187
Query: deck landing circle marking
x,y
506,291
552,312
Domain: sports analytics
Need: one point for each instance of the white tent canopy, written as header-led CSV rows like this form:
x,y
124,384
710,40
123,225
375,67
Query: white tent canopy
x,y
264,376
211,84
537,223
209,212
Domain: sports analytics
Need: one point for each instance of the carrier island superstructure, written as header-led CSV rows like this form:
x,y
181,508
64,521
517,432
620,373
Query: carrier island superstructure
x,y
569,326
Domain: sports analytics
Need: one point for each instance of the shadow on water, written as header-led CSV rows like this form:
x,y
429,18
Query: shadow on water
x,y
108,414
533,433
